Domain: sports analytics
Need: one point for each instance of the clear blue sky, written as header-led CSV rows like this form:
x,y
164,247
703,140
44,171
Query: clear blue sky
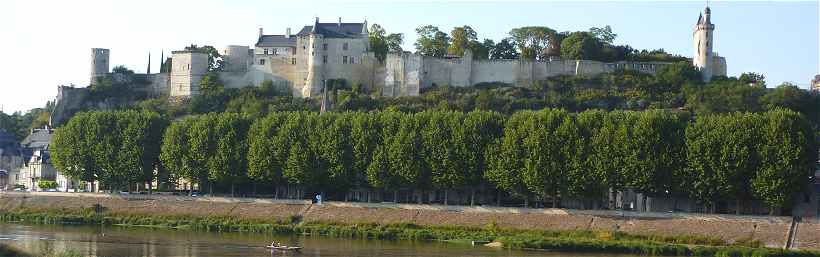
x,y
46,43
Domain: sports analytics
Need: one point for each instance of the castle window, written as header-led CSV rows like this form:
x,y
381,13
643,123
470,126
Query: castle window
x,y
294,51
344,46
266,51
261,61
351,60
293,61
324,46
324,58
344,59
274,51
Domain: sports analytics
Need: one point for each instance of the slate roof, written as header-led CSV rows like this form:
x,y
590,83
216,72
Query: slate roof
x,y
335,30
39,138
276,40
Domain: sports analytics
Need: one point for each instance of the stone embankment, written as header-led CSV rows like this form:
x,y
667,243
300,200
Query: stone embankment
x,y
771,231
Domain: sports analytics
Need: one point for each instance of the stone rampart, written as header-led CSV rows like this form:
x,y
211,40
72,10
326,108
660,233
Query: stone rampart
x,y
407,74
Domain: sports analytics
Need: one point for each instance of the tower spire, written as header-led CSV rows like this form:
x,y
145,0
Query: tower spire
x,y
148,70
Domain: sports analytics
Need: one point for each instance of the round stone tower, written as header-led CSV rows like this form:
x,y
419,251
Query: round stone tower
x,y
100,59
702,37
236,58
316,61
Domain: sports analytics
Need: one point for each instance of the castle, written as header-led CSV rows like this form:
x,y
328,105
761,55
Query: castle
x,y
303,61
709,63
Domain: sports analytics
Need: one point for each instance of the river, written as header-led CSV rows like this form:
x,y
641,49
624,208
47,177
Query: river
x,y
130,241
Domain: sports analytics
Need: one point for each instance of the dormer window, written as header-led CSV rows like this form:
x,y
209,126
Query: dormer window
x,y
344,46
266,51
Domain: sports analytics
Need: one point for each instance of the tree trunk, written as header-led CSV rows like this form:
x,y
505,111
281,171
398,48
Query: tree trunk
x,y
445,196
645,204
395,196
674,204
737,206
526,202
275,191
472,197
554,201
611,199
232,190
498,198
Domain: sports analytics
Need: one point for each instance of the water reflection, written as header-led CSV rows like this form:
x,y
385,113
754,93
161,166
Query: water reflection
x,y
121,241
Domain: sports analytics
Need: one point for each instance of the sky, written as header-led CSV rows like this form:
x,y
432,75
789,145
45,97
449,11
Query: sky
x,y
47,43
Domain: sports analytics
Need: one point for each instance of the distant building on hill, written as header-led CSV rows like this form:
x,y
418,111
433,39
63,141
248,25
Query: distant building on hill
x,y
708,62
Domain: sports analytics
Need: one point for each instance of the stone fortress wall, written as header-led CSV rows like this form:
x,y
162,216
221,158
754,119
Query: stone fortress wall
x,y
405,74
399,75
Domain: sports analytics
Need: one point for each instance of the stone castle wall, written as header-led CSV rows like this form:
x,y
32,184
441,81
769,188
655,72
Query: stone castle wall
x,y
69,100
407,74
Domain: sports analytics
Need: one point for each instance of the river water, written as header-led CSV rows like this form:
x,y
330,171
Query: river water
x,y
129,241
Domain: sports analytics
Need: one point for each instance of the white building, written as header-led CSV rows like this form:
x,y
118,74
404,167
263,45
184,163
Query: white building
x,y
38,166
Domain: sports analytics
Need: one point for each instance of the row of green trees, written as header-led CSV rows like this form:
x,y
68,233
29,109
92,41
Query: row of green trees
x,y
19,124
529,42
542,155
116,149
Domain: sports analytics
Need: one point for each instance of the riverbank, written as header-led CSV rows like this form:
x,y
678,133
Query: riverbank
x,y
8,251
576,231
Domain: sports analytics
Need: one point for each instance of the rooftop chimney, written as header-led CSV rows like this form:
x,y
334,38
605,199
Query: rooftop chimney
x,y
260,32
287,33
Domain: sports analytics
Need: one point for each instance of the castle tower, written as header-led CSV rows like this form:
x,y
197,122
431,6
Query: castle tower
x,y
187,69
99,63
702,37
316,62
236,58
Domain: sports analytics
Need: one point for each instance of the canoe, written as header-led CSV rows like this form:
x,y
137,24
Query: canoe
x,y
284,248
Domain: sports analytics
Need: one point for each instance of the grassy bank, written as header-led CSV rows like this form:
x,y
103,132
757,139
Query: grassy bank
x,y
569,241
8,251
